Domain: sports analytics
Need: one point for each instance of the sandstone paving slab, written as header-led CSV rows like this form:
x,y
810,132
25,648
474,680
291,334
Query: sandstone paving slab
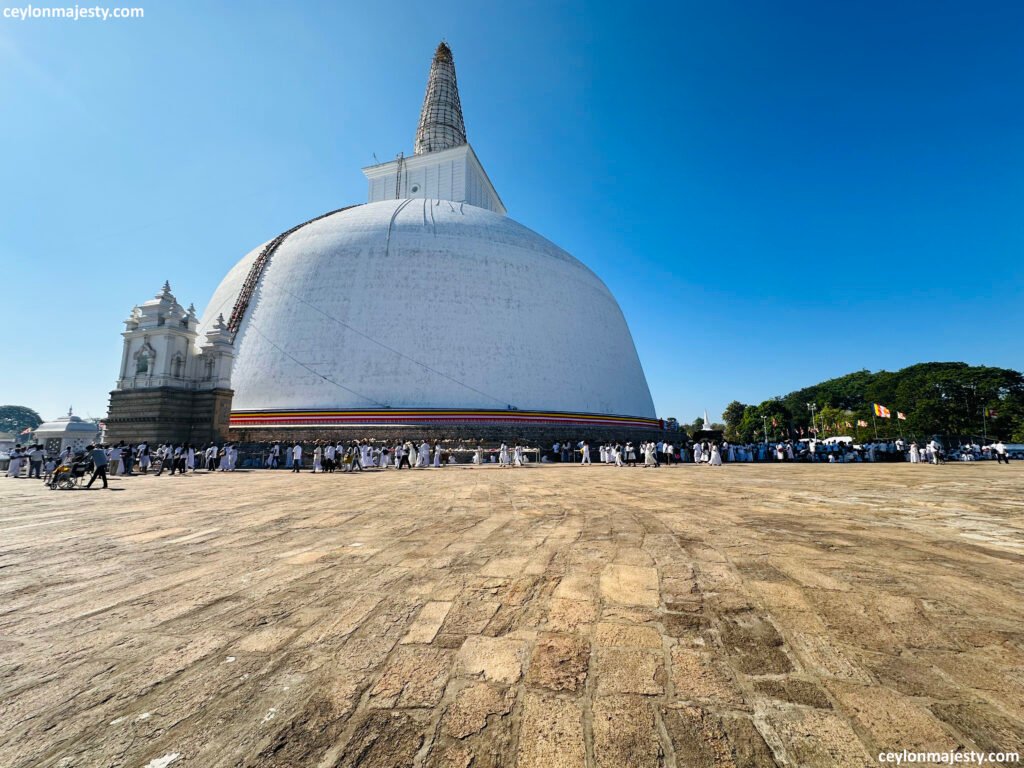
x,y
629,614
570,615
753,642
816,738
499,660
427,624
793,691
892,720
626,635
577,586
412,677
551,733
625,733
385,739
702,739
630,670
630,585
559,662
698,676
472,706
985,726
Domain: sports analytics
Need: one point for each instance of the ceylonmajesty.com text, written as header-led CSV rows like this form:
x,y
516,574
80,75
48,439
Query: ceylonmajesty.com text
x,y
72,13
906,757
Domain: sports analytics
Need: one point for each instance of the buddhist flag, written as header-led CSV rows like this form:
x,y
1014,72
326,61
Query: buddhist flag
x,y
861,423
774,424
882,412
901,416
848,424
26,430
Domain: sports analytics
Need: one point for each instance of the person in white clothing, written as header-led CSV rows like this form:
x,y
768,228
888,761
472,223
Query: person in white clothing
x,y
586,453
648,449
296,458
999,449
716,456
437,455
144,460
14,467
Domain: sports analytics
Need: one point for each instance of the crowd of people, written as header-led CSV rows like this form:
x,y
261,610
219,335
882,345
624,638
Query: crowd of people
x,y
329,456
124,459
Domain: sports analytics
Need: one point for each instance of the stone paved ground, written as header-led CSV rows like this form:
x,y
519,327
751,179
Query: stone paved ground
x,y
555,616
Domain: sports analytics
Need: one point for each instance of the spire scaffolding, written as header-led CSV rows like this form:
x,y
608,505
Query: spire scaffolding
x,y
441,125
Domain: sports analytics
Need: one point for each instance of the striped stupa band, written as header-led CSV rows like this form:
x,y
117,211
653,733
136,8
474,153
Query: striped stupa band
x,y
413,417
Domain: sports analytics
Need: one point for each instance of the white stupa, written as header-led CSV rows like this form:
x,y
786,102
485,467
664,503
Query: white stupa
x,y
426,305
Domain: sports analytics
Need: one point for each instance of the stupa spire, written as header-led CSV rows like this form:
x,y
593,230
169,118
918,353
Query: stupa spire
x,y
441,125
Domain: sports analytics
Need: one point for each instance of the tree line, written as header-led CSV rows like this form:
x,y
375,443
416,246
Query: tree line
x,y
953,400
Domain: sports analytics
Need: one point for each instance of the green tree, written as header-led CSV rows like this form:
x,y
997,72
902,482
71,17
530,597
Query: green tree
x,y
777,417
733,416
17,418
751,426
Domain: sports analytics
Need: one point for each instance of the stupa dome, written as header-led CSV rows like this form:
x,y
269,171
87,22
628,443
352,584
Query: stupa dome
x,y
424,304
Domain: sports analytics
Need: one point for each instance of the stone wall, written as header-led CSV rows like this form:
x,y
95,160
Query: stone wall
x,y
167,414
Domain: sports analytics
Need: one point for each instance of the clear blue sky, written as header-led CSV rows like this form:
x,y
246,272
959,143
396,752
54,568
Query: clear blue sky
x,y
776,192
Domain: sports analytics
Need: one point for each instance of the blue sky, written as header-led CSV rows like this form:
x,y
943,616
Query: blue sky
x,y
776,192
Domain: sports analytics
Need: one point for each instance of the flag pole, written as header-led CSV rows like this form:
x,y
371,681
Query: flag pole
x,y
874,421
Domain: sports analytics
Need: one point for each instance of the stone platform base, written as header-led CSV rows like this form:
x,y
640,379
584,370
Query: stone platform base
x,y
168,415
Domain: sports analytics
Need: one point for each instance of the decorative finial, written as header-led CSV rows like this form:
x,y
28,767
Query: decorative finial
x,y
441,125
69,411
167,286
